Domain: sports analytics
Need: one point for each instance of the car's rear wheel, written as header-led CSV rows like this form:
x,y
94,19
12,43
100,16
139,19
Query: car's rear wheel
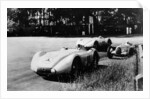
x,y
109,50
131,51
109,42
95,60
76,67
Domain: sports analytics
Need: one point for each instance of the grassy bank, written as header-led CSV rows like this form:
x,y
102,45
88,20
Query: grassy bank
x,y
114,76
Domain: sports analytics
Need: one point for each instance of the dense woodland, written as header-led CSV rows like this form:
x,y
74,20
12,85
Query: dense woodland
x,y
74,21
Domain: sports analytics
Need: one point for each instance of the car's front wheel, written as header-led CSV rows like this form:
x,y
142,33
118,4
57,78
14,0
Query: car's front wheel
x,y
95,60
76,67
109,50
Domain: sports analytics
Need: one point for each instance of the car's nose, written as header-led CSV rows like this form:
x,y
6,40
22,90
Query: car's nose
x,y
46,71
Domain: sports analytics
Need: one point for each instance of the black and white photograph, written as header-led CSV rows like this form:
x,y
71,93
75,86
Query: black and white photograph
x,y
75,49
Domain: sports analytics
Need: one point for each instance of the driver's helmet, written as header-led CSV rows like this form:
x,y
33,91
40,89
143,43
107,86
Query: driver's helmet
x,y
128,43
100,37
80,47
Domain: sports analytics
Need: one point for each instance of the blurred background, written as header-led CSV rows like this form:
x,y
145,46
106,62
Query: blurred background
x,y
74,21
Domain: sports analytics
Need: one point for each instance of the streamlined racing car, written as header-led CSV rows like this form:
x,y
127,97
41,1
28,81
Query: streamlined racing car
x,y
99,43
64,61
125,49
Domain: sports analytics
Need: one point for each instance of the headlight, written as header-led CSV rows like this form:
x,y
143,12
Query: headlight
x,y
53,70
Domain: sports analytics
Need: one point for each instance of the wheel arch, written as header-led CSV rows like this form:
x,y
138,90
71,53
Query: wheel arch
x,y
95,52
77,57
65,65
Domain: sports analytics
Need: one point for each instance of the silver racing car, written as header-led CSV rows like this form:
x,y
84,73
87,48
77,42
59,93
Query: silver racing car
x,y
125,49
100,43
64,61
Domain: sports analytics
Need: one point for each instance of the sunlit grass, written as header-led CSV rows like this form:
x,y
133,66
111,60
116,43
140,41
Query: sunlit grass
x,y
119,76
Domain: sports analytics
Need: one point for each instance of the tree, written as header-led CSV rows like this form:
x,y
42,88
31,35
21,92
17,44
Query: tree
x,y
72,21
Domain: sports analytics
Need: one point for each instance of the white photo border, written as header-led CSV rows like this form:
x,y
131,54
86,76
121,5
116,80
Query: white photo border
x,y
73,94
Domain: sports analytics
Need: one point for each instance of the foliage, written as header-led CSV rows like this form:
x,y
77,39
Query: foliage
x,y
105,19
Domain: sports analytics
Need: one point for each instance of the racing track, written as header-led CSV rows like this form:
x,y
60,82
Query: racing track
x,y
19,55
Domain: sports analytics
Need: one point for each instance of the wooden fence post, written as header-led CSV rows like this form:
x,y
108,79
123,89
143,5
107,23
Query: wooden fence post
x,y
138,81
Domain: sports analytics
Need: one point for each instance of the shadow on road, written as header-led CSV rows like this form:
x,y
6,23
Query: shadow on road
x,y
119,58
122,57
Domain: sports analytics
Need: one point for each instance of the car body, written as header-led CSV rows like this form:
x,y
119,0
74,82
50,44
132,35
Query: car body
x,y
125,49
99,43
63,61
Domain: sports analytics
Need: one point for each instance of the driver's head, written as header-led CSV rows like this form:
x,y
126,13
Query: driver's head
x,y
128,43
80,47
100,36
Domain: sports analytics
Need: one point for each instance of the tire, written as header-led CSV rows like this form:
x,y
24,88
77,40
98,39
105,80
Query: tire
x,y
109,42
76,67
95,60
109,55
118,51
96,46
131,51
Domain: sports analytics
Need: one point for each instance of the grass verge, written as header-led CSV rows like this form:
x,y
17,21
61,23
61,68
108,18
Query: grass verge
x,y
118,76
